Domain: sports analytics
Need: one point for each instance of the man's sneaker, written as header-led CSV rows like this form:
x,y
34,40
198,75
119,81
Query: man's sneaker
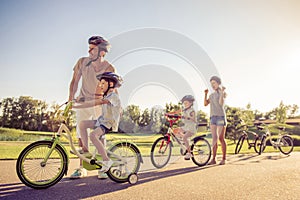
x,y
79,173
106,166
102,175
188,156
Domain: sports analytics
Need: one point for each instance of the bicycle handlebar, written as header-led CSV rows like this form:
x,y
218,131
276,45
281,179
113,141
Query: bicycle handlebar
x,y
177,117
67,108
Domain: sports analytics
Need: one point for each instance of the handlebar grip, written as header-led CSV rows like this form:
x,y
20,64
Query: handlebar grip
x,y
67,108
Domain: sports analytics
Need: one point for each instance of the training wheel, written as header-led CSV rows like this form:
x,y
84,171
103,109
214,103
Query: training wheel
x,y
133,179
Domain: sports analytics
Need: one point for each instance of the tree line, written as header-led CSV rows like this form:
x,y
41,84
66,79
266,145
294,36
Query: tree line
x,y
31,114
27,113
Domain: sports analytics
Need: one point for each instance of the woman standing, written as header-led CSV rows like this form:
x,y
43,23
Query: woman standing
x,y
217,117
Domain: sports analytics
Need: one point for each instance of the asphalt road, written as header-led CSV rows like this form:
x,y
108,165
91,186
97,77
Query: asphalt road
x,y
269,176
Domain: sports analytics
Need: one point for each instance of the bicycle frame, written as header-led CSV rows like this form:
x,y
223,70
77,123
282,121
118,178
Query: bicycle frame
x,y
65,132
245,133
170,134
269,137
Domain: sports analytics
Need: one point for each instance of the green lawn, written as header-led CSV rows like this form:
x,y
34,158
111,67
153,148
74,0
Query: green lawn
x,y
11,149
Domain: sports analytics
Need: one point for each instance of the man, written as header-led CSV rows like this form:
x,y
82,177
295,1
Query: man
x,y
86,69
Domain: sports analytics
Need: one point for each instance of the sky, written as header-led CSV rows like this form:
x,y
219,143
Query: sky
x,y
254,45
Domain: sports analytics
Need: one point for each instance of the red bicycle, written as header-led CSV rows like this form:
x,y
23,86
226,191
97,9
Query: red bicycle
x,y
162,147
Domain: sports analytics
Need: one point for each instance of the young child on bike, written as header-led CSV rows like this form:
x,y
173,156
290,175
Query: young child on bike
x,y
189,119
109,119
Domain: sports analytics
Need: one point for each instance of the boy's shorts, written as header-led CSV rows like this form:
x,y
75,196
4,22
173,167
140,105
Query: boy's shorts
x,y
218,120
104,129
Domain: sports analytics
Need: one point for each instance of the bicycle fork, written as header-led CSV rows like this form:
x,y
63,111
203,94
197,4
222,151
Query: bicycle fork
x,y
162,148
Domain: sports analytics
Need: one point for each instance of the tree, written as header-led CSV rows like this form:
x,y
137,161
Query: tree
x,y
41,113
157,120
144,119
258,115
170,107
128,119
248,115
6,106
235,123
292,110
281,113
202,117
31,114
134,113
271,114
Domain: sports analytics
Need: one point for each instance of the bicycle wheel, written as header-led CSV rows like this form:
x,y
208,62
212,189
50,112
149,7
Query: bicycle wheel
x,y
263,144
239,145
257,144
37,174
131,161
286,144
161,152
201,152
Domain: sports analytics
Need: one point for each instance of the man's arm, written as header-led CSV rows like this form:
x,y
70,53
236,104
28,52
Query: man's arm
x,y
88,104
75,80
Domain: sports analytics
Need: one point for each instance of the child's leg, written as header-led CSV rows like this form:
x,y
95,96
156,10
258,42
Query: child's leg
x,y
83,126
95,135
178,132
186,137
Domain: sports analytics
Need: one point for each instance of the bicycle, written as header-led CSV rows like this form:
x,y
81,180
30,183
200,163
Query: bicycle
x,y
284,142
245,136
42,164
161,149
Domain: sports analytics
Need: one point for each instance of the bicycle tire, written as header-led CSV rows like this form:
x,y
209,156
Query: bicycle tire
x,y
32,158
257,144
239,145
168,148
120,173
286,140
263,144
198,150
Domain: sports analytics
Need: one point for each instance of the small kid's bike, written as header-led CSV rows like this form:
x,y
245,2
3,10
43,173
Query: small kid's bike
x,y
162,148
44,163
284,142
252,140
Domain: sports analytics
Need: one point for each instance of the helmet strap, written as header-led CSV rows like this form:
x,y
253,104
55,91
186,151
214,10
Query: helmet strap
x,y
98,56
108,88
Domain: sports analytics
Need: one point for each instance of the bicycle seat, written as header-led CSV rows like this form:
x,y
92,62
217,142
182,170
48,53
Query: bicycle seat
x,y
112,132
281,128
260,127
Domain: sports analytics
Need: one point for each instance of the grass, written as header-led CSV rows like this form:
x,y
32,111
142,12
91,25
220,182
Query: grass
x,y
11,148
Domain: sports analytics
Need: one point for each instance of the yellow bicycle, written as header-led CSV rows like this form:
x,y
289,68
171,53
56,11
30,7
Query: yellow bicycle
x,y
42,164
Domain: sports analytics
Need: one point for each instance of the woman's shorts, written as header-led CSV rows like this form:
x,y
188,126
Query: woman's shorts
x,y
218,121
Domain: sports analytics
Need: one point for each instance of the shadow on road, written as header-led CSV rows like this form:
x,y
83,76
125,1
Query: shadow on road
x,y
91,186
238,159
87,187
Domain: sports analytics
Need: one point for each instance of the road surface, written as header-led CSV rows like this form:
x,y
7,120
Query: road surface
x,y
269,176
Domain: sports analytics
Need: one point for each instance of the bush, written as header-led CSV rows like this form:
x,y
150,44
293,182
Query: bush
x,y
9,134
